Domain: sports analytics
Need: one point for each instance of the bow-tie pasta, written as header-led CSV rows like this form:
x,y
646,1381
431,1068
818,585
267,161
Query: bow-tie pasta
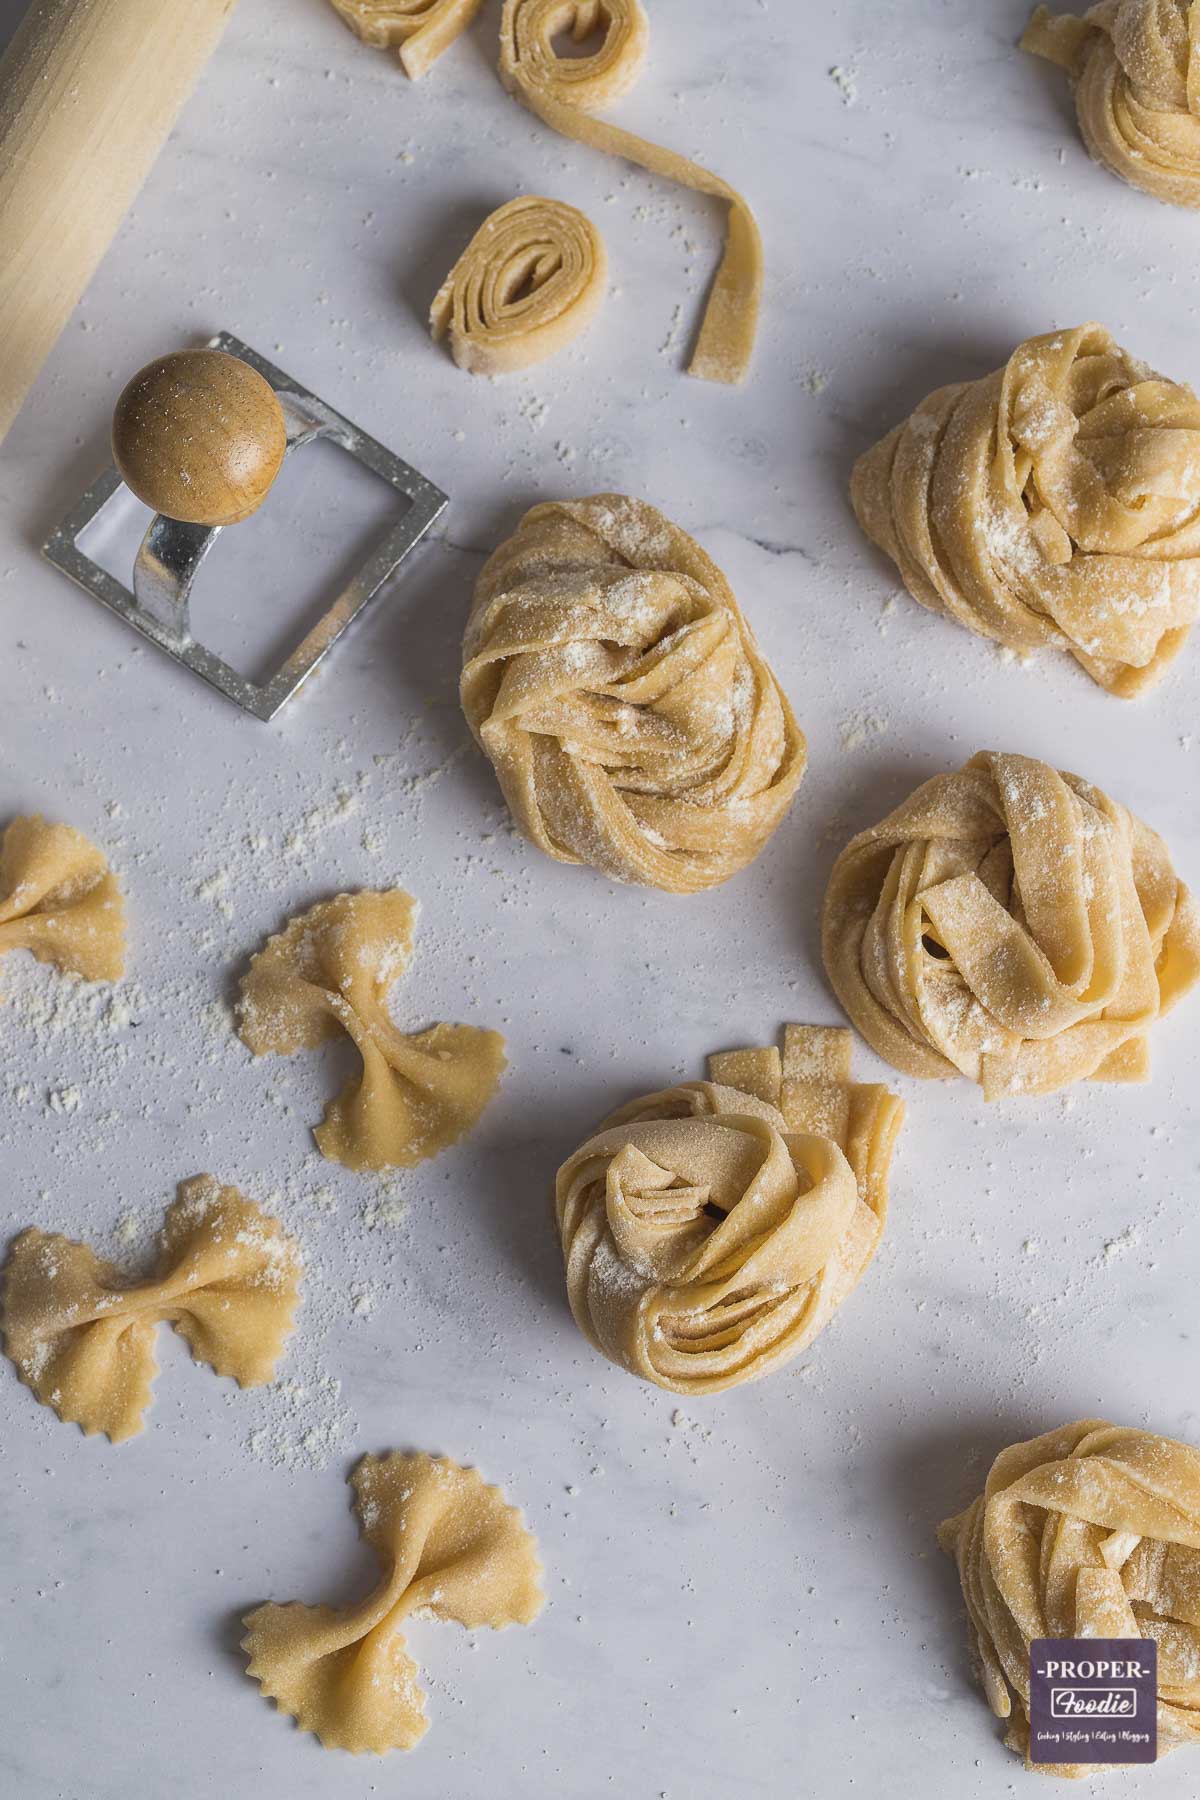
x,y
451,1548
419,30
613,682
60,900
1053,504
1090,1531
1131,64
710,1231
1011,924
82,1334
330,971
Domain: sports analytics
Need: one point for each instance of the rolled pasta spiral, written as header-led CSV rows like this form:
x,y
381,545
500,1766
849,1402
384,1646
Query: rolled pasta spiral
x,y
526,285
710,1231
1011,924
1135,69
1089,1531
613,682
1055,503
419,29
565,92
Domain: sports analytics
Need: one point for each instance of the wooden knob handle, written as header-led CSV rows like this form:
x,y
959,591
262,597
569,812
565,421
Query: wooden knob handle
x,y
200,436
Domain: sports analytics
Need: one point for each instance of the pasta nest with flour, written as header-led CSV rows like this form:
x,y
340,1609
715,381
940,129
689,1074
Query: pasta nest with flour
x,y
1052,504
710,1231
1011,924
1135,69
612,680
1091,1531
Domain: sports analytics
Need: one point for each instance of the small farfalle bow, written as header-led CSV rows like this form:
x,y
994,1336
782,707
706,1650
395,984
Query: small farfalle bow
x,y
81,1334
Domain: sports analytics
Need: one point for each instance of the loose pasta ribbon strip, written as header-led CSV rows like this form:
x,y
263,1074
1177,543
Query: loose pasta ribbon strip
x,y
565,93
450,1548
81,1334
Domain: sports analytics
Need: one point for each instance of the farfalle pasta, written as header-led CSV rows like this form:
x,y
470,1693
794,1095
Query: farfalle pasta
x,y
1011,924
1091,1531
613,682
1135,69
420,30
525,287
60,900
711,1230
1053,504
81,1333
565,91
330,971
450,1548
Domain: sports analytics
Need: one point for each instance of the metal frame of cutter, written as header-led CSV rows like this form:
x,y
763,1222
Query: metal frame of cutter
x,y
171,552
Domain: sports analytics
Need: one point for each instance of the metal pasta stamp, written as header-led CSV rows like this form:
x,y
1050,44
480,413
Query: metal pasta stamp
x,y
1093,1700
200,436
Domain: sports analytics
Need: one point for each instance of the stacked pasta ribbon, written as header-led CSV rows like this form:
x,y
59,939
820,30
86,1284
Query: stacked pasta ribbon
x,y
1011,924
1135,68
565,92
1055,503
611,678
1092,1531
527,284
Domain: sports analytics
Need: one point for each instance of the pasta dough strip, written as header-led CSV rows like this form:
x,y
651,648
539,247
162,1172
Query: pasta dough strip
x,y
527,284
420,30
564,92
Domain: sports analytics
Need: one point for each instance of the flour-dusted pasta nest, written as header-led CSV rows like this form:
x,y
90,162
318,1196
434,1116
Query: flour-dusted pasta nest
x,y
524,288
1131,64
612,680
1090,1531
1011,924
710,1231
1054,504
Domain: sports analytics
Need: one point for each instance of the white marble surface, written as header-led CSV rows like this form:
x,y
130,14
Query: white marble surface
x,y
745,1596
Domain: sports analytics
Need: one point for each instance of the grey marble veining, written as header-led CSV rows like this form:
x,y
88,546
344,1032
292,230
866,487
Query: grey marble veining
x,y
745,1594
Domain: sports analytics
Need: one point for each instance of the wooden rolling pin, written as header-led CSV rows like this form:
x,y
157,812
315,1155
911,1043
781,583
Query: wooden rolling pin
x,y
89,90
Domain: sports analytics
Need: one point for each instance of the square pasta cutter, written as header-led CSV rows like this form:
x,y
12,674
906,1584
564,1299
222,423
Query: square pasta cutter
x,y
199,436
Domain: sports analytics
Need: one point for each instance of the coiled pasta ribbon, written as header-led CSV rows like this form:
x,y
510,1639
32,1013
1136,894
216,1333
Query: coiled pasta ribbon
x,y
565,92
419,29
526,285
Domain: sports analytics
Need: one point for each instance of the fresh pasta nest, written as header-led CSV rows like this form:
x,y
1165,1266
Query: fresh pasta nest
x,y
60,900
1011,924
81,1333
527,284
1053,504
1090,1531
450,1548
612,680
710,1231
1132,64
